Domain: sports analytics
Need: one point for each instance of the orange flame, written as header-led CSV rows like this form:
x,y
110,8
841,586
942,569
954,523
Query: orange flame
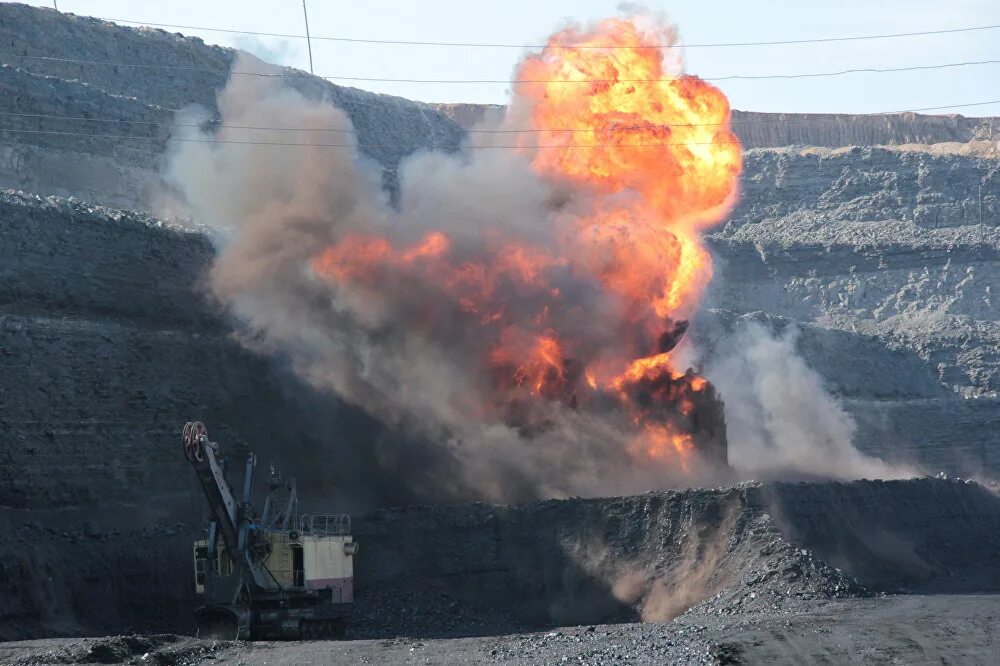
x,y
651,153
641,129
660,443
538,363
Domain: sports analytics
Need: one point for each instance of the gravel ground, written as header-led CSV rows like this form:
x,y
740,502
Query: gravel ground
x,y
947,629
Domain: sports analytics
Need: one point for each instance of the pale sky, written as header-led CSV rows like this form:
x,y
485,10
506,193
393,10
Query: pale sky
x,y
699,21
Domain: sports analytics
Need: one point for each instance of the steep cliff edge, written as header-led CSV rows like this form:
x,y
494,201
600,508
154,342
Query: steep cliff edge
x,y
752,548
834,130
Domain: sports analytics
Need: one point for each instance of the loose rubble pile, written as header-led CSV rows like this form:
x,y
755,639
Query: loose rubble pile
x,y
893,629
784,576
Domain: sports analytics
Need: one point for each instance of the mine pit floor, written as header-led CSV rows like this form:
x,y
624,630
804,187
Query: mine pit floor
x,y
879,630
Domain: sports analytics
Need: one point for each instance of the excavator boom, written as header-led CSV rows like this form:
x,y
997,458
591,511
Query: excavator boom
x,y
203,456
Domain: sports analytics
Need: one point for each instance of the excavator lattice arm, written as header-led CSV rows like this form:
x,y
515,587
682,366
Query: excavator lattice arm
x,y
205,457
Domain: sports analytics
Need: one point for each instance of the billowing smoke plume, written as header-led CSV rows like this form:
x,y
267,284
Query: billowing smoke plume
x,y
780,417
519,308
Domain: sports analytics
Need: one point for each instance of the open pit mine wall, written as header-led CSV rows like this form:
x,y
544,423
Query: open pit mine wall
x,y
902,246
775,130
123,100
105,349
108,344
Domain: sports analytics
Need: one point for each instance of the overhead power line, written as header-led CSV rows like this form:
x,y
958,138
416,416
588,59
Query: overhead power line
x,y
362,145
356,40
348,145
731,77
621,128
294,73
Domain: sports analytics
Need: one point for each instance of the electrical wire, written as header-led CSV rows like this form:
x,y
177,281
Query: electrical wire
x,y
213,125
339,145
355,40
731,77
362,145
295,73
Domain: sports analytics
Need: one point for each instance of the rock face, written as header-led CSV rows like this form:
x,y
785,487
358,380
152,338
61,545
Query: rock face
x,y
776,130
110,122
901,246
106,348
106,342
93,497
887,259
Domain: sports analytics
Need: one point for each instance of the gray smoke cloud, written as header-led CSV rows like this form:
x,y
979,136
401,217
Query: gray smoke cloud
x,y
399,353
406,356
780,417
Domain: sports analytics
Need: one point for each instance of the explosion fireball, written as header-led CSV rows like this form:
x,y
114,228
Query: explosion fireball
x,y
584,309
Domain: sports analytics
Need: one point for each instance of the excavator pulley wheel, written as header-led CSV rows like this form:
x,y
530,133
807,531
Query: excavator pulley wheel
x,y
194,435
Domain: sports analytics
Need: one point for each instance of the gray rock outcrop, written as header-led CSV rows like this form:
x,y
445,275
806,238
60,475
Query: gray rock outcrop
x,y
833,130
897,245
97,131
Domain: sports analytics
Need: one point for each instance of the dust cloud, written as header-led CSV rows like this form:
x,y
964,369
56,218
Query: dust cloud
x,y
662,587
781,419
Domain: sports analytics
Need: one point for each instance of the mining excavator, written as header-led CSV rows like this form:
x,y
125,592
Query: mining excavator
x,y
276,574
